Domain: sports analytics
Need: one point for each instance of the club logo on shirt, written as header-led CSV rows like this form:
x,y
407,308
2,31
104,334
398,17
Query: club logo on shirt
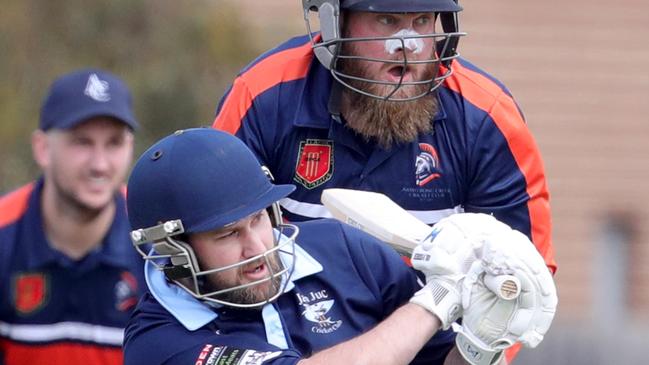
x,y
224,355
427,166
315,163
30,292
126,292
316,306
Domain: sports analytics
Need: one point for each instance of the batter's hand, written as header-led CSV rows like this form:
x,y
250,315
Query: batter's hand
x,y
445,257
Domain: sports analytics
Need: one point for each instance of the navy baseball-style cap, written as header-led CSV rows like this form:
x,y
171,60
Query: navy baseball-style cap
x,y
84,94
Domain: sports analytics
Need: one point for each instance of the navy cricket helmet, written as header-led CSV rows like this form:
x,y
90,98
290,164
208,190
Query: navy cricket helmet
x,y
198,180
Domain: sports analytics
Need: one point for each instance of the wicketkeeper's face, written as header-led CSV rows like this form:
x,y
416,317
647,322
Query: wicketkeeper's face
x,y
411,26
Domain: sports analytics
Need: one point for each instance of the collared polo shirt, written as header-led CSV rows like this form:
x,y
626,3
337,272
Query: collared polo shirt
x,y
344,283
56,310
479,157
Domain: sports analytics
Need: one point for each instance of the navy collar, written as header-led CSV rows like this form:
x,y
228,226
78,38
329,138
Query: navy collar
x,y
115,249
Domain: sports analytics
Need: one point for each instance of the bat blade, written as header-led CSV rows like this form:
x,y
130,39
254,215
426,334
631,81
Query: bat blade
x,y
377,215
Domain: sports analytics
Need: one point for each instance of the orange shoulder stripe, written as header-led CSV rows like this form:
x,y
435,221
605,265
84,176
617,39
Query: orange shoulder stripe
x,y
14,204
488,96
287,65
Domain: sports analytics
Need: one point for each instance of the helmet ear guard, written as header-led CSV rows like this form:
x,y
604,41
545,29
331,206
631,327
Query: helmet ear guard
x,y
448,50
329,18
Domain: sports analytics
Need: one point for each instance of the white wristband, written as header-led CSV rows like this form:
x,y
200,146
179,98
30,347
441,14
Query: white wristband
x,y
440,298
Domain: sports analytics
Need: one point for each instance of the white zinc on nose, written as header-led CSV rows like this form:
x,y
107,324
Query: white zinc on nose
x,y
416,45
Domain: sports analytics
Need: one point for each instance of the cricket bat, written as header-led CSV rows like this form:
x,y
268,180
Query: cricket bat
x,y
378,215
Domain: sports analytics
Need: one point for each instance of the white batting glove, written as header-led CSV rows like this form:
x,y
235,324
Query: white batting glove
x,y
445,257
491,324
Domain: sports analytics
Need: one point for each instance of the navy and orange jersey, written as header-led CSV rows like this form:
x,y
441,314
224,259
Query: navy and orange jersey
x,y
54,310
344,283
479,157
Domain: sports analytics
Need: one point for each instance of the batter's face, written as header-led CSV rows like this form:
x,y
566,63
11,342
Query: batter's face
x,y
85,166
365,24
245,239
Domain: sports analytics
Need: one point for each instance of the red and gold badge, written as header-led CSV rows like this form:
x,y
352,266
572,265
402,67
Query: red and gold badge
x,y
315,163
30,292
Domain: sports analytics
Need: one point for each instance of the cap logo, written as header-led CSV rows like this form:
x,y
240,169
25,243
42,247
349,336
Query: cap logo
x,y
97,89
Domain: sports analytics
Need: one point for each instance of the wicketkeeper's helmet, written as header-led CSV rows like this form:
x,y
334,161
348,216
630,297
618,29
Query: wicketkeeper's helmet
x,y
327,46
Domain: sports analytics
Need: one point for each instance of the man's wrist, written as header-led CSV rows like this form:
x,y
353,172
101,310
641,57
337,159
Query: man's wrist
x,y
440,298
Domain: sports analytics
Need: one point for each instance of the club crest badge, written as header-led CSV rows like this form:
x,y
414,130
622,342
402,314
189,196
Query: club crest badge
x,y
316,309
317,313
30,292
315,163
427,166
126,292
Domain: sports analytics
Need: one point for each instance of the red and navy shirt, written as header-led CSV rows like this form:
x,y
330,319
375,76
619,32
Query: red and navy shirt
x,y
344,283
55,310
479,157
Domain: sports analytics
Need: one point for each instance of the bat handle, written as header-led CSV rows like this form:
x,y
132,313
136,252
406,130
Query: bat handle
x,y
506,287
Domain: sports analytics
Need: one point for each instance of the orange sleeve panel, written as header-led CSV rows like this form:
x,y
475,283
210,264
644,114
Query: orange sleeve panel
x,y
283,66
488,96
14,204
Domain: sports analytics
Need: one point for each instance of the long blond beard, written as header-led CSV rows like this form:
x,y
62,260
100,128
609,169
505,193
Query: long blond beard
x,y
388,123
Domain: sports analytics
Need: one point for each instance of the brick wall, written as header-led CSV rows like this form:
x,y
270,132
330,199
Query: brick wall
x,y
580,76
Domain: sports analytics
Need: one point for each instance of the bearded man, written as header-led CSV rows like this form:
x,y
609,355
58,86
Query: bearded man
x,y
378,88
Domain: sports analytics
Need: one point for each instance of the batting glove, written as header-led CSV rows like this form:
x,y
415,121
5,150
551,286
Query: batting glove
x,y
492,323
445,256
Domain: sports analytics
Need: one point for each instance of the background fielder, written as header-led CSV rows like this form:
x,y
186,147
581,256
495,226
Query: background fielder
x,y
69,277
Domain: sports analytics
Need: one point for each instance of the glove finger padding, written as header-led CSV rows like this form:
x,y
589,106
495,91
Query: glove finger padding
x,y
491,324
454,243
537,303
445,256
